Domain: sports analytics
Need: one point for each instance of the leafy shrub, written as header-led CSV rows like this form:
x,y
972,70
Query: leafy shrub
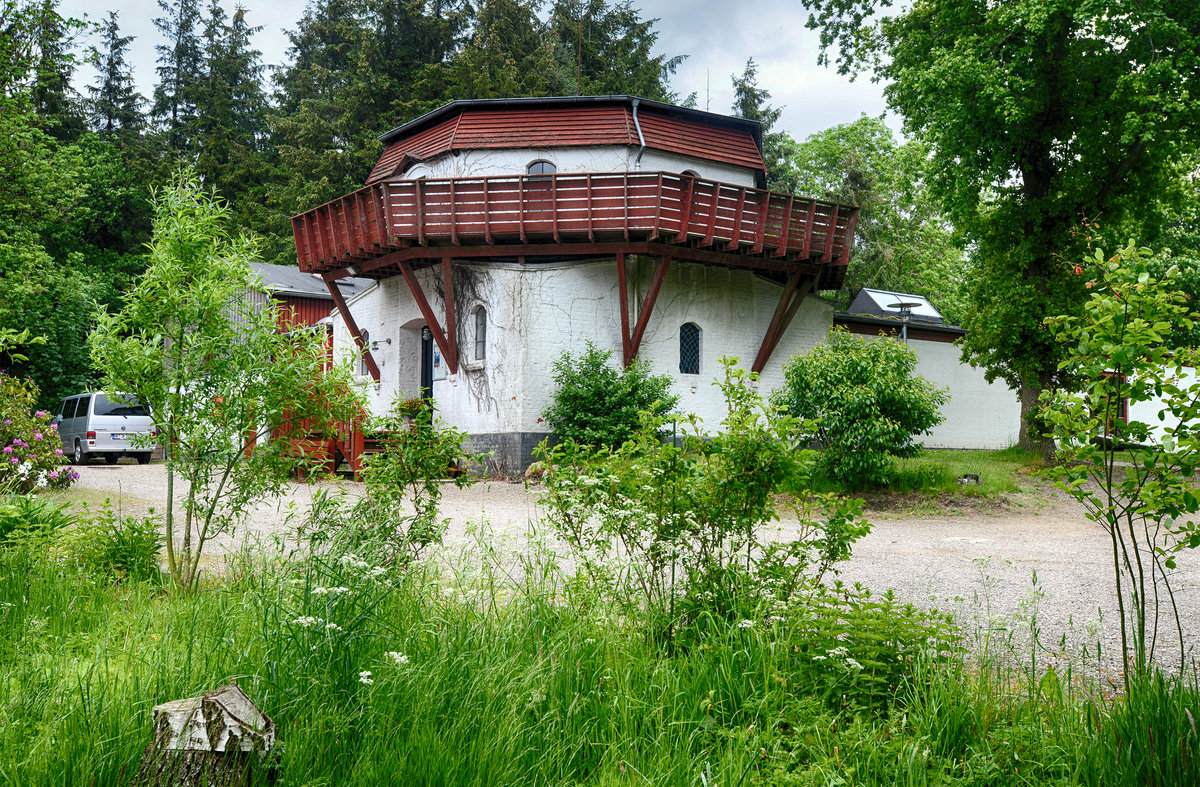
x,y
596,404
117,545
31,455
24,516
674,528
399,513
862,402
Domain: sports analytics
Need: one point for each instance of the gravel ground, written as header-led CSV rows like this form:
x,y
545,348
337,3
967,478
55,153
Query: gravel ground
x,y
979,564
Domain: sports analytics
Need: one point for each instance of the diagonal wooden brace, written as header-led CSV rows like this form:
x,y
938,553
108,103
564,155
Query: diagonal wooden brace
x,y
435,328
340,302
635,341
793,295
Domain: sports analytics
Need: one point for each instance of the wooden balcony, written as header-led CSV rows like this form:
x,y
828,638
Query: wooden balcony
x,y
568,214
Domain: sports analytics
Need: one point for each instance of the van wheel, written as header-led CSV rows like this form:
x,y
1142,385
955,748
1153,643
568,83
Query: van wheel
x,y
111,459
79,457
143,459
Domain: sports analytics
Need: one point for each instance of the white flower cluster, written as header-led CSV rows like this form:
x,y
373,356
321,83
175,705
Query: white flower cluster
x,y
840,654
399,659
317,624
364,677
322,591
746,624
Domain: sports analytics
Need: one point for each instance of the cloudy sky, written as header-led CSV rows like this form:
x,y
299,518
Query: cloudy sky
x,y
716,38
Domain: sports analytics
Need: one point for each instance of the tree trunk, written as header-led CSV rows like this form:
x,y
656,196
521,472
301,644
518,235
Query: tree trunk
x,y
1029,438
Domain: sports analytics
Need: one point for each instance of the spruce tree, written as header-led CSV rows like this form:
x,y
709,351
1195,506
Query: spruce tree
x,y
115,105
180,72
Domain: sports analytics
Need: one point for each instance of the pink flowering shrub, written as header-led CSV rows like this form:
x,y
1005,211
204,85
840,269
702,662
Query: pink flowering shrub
x,y
31,455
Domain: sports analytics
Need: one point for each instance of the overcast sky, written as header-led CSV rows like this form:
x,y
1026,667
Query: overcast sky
x,y
716,38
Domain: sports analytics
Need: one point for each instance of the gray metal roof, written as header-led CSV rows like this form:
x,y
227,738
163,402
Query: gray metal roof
x,y
286,280
881,303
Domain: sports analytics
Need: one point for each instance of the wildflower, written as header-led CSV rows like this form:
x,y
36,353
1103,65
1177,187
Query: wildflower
x,y
854,665
8,449
364,677
333,627
746,624
58,452
37,435
40,414
399,659
306,621
536,698
54,474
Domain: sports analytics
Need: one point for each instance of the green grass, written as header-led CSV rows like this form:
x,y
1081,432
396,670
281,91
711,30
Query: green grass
x,y
530,681
934,473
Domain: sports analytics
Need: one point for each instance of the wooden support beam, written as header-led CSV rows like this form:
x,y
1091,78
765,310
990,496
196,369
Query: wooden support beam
x,y
789,303
828,255
685,210
418,294
340,302
451,331
660,273
623,298
848,243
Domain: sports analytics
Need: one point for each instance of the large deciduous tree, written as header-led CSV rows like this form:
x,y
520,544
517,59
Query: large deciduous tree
x,y
903,241
1043,117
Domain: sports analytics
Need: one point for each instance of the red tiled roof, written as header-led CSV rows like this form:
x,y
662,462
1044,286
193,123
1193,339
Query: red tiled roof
x,y
476,127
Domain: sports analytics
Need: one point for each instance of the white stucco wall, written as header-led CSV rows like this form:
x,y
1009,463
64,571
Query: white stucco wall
x,y
603,158
536,312
1148,412
979,414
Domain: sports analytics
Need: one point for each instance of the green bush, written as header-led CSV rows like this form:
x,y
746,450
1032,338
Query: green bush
x,y
24,516
862,403
115,545
595,403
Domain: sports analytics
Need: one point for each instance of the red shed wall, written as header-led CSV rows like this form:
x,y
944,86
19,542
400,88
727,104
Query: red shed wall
x,y
296,312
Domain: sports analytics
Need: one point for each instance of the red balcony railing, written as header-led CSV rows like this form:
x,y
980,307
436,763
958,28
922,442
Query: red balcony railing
x,y
570,208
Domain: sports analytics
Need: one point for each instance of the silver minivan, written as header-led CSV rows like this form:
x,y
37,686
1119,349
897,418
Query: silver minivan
x,y
95,424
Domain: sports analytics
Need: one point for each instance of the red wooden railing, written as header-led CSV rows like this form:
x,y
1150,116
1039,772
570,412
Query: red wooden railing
x,y
570,208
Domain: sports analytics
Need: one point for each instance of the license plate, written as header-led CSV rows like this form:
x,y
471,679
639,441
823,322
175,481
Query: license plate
x,y
118,437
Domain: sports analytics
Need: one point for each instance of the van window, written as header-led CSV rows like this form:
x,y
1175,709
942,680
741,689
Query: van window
x,y
72,408
122,406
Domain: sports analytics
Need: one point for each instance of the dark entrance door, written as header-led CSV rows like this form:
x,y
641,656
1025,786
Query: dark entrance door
x,y
426,364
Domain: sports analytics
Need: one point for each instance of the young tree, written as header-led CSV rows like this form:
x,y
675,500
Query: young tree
x,y
215,373
1040,114
115,104
1122,350
862,401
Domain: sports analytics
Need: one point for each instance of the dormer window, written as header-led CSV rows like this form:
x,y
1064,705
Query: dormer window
x,y
540,167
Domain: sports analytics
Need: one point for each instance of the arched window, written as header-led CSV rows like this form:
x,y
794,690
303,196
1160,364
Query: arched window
x,y
480,333
691,172
689,348
362,358
541,167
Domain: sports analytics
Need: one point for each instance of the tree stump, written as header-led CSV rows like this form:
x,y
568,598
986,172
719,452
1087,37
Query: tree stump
x,y
214,740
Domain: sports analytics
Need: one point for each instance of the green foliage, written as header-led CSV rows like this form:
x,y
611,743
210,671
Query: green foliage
x,y
214,372
31,455
862,402
25,518
596,404
1120,347
113,544
398,516
674,529
903,238
1042,116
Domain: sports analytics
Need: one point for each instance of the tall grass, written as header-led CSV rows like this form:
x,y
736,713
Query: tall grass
x,y
478,679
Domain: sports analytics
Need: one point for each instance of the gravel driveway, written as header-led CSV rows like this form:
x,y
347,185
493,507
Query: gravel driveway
x,y
980,564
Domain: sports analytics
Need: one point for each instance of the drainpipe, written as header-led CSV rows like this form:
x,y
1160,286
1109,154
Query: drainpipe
x,y
637,163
